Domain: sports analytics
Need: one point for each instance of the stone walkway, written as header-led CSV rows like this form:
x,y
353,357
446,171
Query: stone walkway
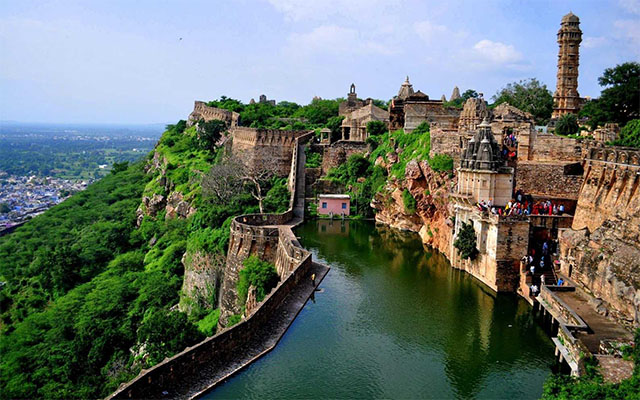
x,y
263,341
600,327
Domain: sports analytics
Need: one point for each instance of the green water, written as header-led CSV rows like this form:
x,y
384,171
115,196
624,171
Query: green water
x,y
394,320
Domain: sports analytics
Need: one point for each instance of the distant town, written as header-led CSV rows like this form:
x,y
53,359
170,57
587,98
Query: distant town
x,y
24,197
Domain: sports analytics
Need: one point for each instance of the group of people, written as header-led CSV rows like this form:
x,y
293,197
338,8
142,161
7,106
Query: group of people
x,y
522,204
509,146
541,263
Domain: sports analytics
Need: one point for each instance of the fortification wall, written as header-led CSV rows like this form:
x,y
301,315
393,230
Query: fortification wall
x,y
545,147
610,187
265,147
202,111
338,152
431,112
549,180
448,141
602,249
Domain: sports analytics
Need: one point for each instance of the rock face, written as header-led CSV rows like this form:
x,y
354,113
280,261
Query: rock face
x,y
432,217
177,207
202,276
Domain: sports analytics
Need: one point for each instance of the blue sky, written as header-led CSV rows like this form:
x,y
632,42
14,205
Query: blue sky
x,y
147,61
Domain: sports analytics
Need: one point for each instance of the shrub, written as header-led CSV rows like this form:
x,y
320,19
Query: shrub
x,y
441,162
466,241
409,202
630,134
261,274
375,128
567,125
208,324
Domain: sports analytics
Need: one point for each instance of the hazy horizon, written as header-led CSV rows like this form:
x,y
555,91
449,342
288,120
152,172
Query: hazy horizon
x,y
121,62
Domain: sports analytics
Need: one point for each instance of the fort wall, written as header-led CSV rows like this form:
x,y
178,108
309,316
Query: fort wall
x,y
265,147
338,152
202,111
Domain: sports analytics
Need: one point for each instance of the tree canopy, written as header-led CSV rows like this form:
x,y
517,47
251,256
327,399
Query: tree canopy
x,y
619,101
528,95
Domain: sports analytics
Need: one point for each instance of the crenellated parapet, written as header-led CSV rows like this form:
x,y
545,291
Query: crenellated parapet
x,y
268,147
202,111
610,187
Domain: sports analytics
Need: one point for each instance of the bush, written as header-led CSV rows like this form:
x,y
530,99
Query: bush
x,y
630,135
441,162
466,242
409,202
567,125
208,324
375,128
258,273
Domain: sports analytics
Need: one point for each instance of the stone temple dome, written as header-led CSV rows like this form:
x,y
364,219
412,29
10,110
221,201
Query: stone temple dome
x,y
482,152
406,90
571,17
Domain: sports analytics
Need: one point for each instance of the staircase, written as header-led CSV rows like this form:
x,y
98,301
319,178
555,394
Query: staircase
x,y
298,205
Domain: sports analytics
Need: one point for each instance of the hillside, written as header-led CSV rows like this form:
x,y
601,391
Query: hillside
x,y
91,287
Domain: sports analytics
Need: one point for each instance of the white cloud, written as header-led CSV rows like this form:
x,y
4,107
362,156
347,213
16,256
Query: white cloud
x,y
497,52
633,6
334,39
297,10
590,42
429,31
629,29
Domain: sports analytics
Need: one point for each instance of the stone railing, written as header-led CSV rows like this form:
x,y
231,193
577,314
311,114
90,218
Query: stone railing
x,y
574,351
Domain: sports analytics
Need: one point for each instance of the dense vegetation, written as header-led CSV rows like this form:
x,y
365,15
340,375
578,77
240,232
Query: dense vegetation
x,y
284,115
409,202
530,96
567,125
619,101
87,299
591,386
630,135
466,241
257,273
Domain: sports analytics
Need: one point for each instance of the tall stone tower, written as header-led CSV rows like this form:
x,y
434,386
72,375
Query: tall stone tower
x,y
566,98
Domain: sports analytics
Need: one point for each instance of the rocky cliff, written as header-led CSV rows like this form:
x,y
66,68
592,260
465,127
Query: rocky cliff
x,y
432,218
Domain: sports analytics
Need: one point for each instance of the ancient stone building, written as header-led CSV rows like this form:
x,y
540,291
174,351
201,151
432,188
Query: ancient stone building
x,y
410,108
396,107
354,125
566,98
202,111
473,112
501,240
455,95
352,102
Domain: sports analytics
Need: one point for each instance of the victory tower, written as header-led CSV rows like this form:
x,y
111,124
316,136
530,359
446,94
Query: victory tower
x,y
566,98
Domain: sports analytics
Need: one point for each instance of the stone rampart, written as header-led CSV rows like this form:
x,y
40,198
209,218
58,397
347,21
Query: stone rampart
x,y
338,152
202,111
448,141
610,188
537,146
548,180
220,347
269,236
265,147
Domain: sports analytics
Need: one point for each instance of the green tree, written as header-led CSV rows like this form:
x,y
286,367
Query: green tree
x,y
466,241
376,128
620,100
528,95
567,125
4,208
209,133
630,135
119,167
260,274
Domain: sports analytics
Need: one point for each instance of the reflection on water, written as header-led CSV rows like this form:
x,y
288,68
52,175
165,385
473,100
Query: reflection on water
x,y
395,320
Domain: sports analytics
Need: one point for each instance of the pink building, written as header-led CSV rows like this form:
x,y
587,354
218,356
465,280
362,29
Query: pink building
x,y
335,204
